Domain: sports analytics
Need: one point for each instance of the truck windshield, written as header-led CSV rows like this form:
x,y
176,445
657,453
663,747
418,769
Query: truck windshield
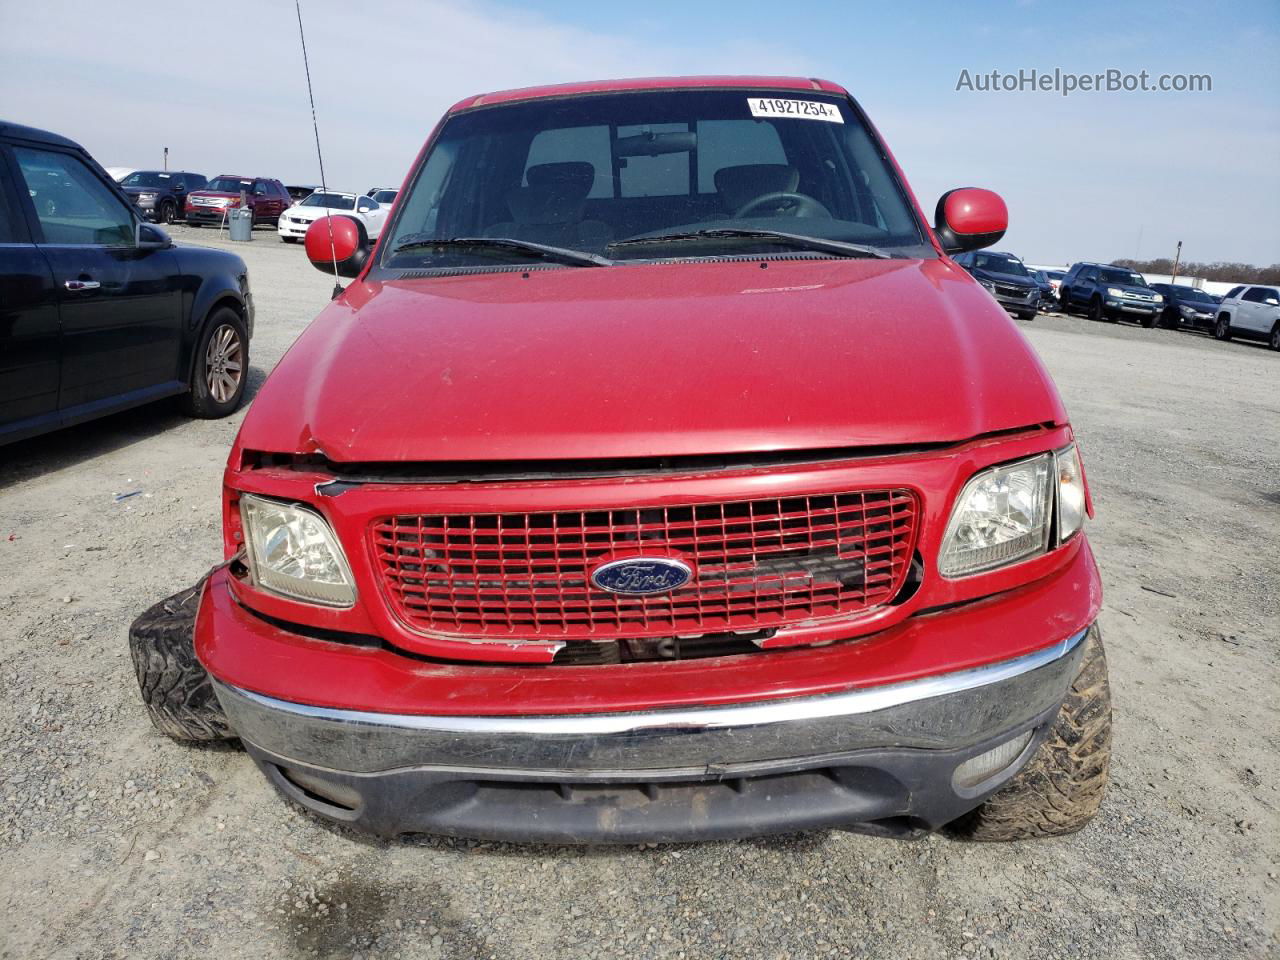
x,y
585,173
141,179
1121,276
1000,264
228,185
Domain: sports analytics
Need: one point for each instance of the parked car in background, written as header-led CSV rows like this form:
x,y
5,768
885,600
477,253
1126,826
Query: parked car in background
x,y
1186,306
267,198
374,191
299,192
1047,301
1251,311
386,196
161,195
1007,279
295,221
98,311
657,478
1055,282
119,173
1110,293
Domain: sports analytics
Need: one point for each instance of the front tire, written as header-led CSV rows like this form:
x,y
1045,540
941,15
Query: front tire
x,y
221,367
167,214
1061,787
175,688
1274,340
289,239
1151,321
1222,329
1095,310
1026,314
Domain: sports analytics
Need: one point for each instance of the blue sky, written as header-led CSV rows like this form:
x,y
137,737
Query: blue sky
x,y
1090,176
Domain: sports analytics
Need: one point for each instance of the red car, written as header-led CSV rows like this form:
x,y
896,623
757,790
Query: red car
x,y
659,477
266,198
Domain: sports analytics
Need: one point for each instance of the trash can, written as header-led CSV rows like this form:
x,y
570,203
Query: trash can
x,y
240,223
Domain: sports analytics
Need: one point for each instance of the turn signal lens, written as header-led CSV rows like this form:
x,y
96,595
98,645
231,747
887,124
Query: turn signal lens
x,y
1071,506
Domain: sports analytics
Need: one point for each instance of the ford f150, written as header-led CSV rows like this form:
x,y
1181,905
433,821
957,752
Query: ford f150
x,y
658,477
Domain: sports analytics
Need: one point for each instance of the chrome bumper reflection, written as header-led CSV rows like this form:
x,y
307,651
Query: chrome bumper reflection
x,y
941,712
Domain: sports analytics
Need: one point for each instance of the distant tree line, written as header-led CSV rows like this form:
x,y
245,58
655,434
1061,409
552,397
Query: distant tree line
x,y
1226,272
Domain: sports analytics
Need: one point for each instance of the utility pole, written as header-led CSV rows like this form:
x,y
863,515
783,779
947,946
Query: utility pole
x,y
166,158
1176,257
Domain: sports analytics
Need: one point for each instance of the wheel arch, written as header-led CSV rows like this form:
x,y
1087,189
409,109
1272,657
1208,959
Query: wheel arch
x,y
202,314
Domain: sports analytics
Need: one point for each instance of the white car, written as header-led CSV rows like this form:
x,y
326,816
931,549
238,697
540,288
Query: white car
x,y
296,219
384,195
1251,311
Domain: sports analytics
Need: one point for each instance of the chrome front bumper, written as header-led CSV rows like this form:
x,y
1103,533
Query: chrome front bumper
x,y
879,760
947,711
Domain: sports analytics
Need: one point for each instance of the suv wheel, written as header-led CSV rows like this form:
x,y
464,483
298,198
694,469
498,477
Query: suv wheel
x,y
1152,320
1061,787
1274,341
1064,305
1095,310
175,687
167,213
1222,330
221,367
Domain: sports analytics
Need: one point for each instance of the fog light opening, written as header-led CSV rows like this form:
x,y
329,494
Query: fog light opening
x,y
979,769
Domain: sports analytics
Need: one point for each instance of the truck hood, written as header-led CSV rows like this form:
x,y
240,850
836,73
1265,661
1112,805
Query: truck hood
x,y
652,360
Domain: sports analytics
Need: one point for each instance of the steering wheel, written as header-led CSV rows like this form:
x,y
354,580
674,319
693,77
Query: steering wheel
x,y
784,202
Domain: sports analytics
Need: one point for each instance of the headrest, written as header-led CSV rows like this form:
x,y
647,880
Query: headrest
x,y
740,184
572,173
545,204
555,194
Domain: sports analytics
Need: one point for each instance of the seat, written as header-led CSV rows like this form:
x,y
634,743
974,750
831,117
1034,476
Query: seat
x,y
739,185
550,209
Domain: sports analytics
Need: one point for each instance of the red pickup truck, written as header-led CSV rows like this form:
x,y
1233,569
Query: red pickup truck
x,y
658,477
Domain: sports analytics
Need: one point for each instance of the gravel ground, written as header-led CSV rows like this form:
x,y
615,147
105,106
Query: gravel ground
x,y
115,841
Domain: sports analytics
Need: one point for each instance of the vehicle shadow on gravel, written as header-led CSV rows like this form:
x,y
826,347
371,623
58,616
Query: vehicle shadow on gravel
x,y
72,446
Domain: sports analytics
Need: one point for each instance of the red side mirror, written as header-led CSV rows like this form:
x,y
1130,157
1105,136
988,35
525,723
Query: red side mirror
x,y
970,218
340,241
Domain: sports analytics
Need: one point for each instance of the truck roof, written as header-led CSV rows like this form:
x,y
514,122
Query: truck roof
x,y
648,83
19,132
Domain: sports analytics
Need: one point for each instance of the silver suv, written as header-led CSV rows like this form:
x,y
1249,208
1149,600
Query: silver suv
x,y
1250,311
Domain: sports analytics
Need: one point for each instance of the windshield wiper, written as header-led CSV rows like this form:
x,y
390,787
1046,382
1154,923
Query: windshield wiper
x,y
820,244
578,258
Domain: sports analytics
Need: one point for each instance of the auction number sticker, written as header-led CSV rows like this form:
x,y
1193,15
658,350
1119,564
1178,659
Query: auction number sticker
x,y
800,109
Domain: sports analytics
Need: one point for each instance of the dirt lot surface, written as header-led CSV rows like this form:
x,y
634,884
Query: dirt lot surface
x,y
115,841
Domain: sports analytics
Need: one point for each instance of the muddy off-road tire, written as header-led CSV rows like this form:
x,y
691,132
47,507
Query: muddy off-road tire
x,y
1061,787
175,688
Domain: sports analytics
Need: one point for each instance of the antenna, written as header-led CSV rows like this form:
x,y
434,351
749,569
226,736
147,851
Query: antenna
x,y
337,285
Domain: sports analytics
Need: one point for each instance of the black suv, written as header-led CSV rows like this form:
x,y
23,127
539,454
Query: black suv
x,y
99,311
1109,293
1006,279
1186,306
161,194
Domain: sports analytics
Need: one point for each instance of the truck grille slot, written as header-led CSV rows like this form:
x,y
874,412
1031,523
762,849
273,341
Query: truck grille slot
x,y
757,564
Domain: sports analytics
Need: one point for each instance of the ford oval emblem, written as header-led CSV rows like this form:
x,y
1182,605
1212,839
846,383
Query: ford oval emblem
x,y
641,576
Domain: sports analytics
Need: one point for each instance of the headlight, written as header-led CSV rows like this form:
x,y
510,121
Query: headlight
x,y
987,284
1071,505
1186,311
146,196
1114,292
293,552
1001,516
1159,298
